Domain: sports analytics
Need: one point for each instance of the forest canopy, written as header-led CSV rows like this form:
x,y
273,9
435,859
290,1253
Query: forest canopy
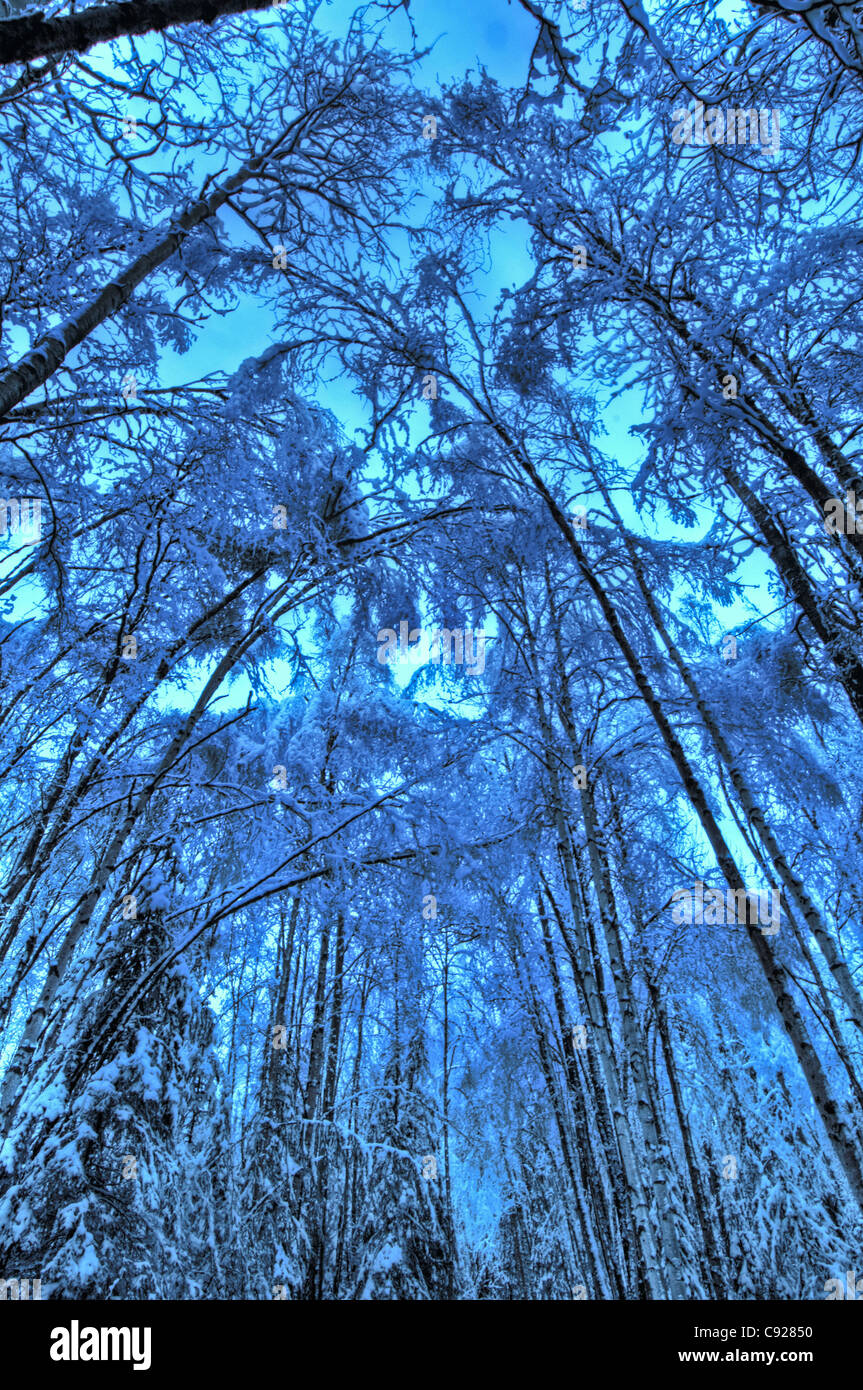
x,y
431,650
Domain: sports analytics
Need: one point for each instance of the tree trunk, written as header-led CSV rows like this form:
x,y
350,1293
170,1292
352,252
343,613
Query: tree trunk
x,y
774,974
32,36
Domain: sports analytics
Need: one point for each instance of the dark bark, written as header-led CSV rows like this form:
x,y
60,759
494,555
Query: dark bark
x,y
51,350
32,36
336,1019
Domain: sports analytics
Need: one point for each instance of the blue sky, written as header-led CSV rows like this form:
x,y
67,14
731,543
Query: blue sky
x,y
496,34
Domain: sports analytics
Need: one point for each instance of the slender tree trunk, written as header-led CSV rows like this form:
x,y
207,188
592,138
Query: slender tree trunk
x,y
447,1166
286,954
794,887
30,36
589,1085
607,1277
38,365
745,410
651,1266
335,1018
35,1022
714,1264
831,635
316,1051
774,974
635,1048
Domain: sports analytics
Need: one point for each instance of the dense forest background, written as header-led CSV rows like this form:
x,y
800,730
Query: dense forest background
x,y
334,971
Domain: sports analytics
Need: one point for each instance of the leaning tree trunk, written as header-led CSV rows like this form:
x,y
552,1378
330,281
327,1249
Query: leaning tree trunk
x,y
49,353
30,36
837,966
774,973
